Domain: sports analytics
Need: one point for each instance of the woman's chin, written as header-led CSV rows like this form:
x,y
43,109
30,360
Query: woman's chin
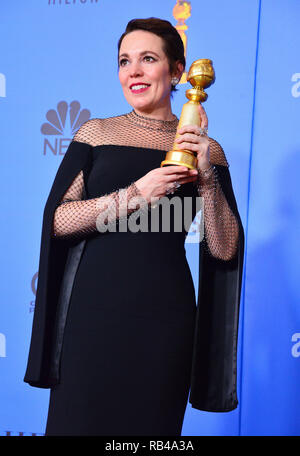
x,y
139,104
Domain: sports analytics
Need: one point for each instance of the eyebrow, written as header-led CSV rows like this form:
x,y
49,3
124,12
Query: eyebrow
x,y
141,54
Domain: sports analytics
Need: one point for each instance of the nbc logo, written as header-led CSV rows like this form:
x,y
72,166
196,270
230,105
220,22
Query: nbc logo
x,y
62,125
2,346
2,85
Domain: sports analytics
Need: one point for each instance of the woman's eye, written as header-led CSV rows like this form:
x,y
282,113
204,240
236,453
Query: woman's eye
x,y
123,62
149,58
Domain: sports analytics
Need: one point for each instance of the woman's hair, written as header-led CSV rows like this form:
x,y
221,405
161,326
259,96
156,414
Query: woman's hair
x,y
173,45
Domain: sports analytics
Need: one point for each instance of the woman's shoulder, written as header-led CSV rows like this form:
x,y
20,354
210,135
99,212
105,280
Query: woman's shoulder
x,y
94,130
86,131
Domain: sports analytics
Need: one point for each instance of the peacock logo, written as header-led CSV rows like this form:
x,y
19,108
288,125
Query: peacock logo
x,y
61,126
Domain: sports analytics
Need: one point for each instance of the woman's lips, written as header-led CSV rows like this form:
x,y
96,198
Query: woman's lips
x,y
139,88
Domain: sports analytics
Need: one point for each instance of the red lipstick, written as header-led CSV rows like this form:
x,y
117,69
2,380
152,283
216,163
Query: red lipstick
x,y
139,87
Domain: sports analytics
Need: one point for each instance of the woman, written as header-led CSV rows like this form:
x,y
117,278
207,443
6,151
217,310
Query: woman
x,y
115,337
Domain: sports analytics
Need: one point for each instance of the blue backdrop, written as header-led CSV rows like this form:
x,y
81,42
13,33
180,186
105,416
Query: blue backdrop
x,y
60,56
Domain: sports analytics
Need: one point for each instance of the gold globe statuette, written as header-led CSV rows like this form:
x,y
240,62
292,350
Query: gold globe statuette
x,y
201,75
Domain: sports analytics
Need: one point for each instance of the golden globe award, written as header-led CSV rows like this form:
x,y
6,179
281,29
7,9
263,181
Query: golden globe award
x,y
201,75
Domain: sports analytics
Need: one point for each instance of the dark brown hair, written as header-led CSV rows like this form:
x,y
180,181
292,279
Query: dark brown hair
x,y
173,46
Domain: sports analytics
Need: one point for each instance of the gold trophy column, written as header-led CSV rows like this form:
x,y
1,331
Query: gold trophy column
x,y
201,75
181,12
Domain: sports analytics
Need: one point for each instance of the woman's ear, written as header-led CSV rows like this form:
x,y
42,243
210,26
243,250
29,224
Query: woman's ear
x,y
179,69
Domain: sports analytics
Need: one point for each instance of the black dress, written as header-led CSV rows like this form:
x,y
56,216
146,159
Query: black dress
x,y
116,334
127,349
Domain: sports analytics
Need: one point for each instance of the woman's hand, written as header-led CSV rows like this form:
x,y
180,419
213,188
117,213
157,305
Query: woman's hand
x,y
159,181
190,139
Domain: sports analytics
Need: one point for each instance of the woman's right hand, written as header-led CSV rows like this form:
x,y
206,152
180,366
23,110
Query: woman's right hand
x,y
158,181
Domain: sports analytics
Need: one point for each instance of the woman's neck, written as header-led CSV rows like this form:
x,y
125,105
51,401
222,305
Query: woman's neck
x,y
159,113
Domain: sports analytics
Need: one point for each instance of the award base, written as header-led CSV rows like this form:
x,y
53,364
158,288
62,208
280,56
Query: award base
x,y
181,158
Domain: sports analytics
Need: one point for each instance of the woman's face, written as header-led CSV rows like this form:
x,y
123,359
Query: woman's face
x,y
144,73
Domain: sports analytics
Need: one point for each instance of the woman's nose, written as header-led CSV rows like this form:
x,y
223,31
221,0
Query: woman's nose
x,y
136,69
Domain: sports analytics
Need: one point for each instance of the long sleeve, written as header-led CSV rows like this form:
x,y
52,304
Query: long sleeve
x,y
221,229
75,217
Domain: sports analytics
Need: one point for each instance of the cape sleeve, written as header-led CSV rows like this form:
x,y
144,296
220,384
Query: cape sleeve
x,y
214,364
53,257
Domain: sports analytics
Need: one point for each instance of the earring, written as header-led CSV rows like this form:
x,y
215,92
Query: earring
x,y
174,81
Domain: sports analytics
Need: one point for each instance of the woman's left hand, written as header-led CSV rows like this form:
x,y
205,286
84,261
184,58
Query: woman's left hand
x,y
190,139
